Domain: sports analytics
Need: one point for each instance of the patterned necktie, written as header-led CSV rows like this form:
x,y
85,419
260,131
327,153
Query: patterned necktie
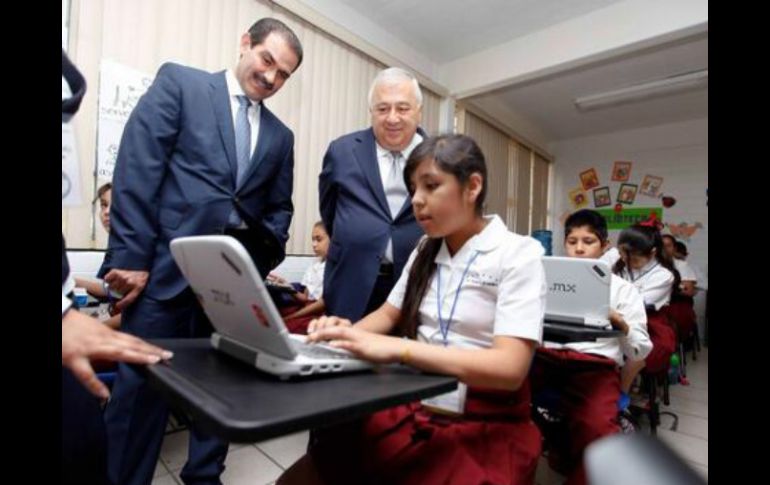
x,y
242,138
395,190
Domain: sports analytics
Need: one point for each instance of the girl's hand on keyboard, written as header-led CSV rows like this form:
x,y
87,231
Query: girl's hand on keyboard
x,y
369,346
324,322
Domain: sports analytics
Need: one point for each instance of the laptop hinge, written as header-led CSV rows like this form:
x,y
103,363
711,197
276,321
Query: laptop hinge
x,y
234,349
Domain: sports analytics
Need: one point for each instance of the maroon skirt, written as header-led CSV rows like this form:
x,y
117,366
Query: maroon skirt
x,y
682,312
663,341
494,442
298,325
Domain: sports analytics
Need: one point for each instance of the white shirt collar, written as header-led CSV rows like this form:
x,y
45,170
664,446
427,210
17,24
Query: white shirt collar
x,y
488,239
234,88
416,140
635,274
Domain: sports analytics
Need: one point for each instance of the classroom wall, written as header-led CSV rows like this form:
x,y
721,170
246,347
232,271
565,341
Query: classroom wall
x,y
324,99
677,152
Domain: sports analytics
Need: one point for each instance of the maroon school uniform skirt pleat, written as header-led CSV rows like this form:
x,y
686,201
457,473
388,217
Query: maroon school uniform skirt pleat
x,y
663,341
682,312
494,442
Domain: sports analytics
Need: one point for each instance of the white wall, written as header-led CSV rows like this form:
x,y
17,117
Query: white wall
x,y
678,152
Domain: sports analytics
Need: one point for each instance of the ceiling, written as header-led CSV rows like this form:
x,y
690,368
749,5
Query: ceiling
x,y
549,102
445,30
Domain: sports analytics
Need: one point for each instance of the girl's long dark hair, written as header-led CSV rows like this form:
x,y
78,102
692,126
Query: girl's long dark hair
x,y
460,156
641,240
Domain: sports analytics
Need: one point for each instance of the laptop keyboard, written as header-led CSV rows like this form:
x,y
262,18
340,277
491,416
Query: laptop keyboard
x,y
319,351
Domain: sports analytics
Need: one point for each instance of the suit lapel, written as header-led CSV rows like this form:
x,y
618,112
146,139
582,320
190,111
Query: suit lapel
x,y
265,140
220,99
365,154
407,207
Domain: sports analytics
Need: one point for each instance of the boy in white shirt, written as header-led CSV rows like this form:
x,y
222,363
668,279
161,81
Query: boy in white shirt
x,y
586,374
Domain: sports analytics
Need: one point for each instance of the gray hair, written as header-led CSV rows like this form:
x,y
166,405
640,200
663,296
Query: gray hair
x,y
394,75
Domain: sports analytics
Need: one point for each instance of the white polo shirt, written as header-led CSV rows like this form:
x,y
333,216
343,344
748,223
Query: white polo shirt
x,y
626,300
313,279
653,281
503,292
611,256
685,270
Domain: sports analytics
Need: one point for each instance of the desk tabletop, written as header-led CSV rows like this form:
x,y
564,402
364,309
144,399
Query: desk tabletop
x,y
563,333
239,403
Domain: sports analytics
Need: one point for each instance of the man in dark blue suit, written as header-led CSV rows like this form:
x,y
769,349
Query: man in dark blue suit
x,y
84,457
200,154
364,201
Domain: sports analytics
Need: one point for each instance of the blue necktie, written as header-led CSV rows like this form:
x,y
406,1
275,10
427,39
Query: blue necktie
x,y
242,138
242,148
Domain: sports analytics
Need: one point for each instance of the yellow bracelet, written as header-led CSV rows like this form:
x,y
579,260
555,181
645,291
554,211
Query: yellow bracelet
x,y
405,355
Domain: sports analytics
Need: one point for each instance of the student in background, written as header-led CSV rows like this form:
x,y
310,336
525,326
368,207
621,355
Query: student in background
x,y
97,287
677,251
682,306
308,303
644,263
469,303
587,374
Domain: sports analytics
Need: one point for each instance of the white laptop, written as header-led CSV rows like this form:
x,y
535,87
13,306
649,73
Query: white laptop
x,y
578,291
247,323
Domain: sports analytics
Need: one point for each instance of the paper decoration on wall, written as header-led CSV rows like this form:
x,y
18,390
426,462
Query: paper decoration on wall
x,y
618,208
578,198
589,179
668,201
651,185
621,171
602,197
70,168
683,230
630,216
653,221
627,193
120,88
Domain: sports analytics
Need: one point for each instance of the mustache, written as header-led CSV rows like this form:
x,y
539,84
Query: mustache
x,y
263,81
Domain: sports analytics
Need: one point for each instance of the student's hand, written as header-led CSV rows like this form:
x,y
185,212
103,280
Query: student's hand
x,y
616,319
687,288
84,338
301,297
317,324
277,279
128,282
369,346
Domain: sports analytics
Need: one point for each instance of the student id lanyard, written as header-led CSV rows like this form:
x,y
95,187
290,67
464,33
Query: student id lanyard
x,y
444,325
642,275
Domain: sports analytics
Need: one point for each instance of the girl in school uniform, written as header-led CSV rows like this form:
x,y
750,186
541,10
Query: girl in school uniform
x,y
309,303
587,374
97,287
644,263
470,303
682,305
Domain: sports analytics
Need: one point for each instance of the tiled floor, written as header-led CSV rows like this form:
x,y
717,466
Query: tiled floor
x,y
690,440
262,463
253,464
